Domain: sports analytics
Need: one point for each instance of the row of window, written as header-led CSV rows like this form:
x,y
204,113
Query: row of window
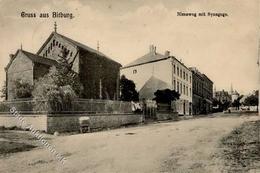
x,y
181,88
181,73
198,87
59,45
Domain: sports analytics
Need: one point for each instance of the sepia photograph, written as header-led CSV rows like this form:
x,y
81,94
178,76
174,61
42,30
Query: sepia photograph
x,y
129,86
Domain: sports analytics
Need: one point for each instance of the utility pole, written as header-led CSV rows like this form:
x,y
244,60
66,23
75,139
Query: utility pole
x,y
258,59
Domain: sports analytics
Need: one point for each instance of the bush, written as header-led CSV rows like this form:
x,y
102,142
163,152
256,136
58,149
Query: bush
x,y
58,93
128,91
22,89
166,96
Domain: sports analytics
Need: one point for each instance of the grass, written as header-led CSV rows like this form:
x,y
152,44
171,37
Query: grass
x,y
241,148
12,141
7,147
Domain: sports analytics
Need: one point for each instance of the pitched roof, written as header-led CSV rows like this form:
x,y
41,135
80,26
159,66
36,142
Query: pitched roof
x,y
148,58
39,59
151,86
198,73
34,58
79,45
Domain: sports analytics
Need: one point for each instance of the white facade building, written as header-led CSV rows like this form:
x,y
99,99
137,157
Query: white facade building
x,y
168,73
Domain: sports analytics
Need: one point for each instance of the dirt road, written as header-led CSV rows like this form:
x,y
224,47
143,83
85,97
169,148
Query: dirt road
x,y
184,146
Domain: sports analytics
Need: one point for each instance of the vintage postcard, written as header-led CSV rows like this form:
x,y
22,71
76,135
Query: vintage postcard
x,y
130,86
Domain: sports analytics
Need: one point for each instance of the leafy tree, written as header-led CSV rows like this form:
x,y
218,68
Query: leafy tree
x,y
166,96
236,103
128,91
64,75
22,89
60,86
226,104
215,102
252,100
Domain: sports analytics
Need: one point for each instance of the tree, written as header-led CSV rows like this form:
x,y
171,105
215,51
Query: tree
x,y
22,89
60,86
226,104
127,89
236,103
166,96
252,100
64,75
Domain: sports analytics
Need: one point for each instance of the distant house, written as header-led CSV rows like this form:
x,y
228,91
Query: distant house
x,y
155,71
98,73
223,96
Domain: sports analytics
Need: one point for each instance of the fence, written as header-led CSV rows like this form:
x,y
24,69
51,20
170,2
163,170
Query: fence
x,y
76,106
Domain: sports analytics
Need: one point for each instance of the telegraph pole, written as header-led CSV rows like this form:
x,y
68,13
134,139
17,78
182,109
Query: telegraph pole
x,y
258,59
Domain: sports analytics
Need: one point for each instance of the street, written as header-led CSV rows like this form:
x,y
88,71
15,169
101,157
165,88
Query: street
x,y
183,146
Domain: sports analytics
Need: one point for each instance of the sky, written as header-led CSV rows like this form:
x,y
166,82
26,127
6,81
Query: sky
x,y
223,48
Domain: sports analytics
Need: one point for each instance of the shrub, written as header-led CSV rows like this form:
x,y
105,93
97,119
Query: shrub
x,y
166,96
22,89
128,91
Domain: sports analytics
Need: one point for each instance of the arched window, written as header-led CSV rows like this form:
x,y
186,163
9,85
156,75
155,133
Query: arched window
x,y
59,45
71,53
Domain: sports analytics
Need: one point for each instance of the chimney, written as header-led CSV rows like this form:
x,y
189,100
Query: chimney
x,y
167,53
153,49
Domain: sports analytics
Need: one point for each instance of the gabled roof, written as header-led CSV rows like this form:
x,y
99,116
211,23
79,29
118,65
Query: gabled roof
x,y
40,59
34,58
77,44
151,86
148,58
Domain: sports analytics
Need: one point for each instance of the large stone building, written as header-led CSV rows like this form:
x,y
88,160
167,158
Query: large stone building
x,y
202,91
98,73
207,94
157,71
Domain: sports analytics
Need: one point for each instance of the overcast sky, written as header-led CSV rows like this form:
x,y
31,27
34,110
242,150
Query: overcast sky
x,y
225,49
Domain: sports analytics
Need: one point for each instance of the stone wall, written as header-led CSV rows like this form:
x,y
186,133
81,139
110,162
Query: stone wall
x,y
70,123
38,122
167,116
